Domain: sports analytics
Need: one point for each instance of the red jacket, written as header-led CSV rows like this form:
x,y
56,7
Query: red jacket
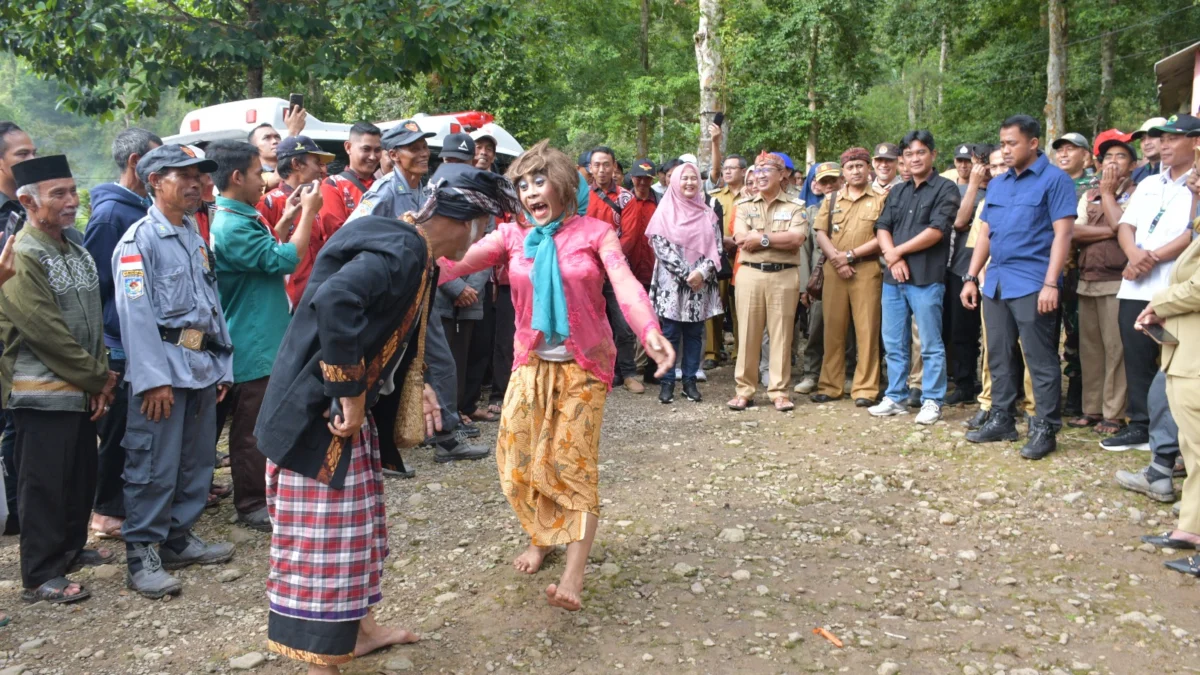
x,y
341,196
599,210
634,219
271,207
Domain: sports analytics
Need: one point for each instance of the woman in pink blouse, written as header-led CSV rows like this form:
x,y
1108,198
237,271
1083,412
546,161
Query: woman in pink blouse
x,y
563,360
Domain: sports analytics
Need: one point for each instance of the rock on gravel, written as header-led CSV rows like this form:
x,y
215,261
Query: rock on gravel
x,y
968,555
247,661
947,519
987,498
14,670
683,569
1072,497
733,535
444,598
888,668
32,645
105,572
741,575
610,570
231,574
398,663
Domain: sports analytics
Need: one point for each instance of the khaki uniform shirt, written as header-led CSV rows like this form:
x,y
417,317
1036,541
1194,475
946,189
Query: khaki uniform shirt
x,y
853,219
783,214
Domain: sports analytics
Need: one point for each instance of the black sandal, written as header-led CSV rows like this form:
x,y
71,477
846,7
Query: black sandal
x,y
1189,565
1164,540
90,557
54,592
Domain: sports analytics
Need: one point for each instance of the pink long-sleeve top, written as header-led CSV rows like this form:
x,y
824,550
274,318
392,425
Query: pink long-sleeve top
x,y
588,252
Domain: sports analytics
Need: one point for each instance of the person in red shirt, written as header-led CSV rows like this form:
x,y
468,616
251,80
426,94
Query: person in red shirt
x,y
634,219
343,192
301,162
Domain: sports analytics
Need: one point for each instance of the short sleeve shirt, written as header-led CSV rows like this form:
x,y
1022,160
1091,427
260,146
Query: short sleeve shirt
x,y
909,210
1159,211
784,213
1020,213
853,218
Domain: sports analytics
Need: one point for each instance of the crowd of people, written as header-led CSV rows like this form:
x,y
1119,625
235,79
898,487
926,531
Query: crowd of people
x,y
332,320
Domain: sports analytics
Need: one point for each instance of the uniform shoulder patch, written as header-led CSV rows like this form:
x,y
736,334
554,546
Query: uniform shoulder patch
x,y
133,276
744,200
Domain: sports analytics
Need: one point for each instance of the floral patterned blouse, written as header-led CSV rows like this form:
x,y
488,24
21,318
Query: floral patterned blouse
x,y
669,291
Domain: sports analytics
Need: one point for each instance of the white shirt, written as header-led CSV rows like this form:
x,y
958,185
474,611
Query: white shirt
x,y
1174,200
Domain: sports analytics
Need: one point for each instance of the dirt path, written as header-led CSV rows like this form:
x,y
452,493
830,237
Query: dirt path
x,y
726,538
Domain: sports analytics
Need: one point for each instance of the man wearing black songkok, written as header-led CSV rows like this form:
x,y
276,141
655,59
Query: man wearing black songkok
x,y
357,333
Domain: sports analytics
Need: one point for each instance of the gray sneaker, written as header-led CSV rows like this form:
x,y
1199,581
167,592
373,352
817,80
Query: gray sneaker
x,y
1161,489
198,552
151,581
455,448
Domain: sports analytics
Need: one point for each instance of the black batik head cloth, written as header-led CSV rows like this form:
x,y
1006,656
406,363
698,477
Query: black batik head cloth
x,y
462,192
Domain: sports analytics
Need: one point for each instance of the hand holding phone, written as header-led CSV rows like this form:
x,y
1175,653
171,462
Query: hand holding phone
x,y
719,119
1156,332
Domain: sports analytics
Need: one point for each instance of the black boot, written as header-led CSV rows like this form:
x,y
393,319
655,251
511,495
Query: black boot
x,y
690,392
980,419
1041,442
666,394
999,427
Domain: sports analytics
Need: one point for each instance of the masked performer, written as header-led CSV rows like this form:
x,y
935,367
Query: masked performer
x,y
562,359
357,333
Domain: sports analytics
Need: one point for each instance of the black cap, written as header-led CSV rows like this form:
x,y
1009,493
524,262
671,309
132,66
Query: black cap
x,y
963,151
1177,124
585,158
670,165
294,146
887,151
172,156
458,146
642,167
405,133
38,169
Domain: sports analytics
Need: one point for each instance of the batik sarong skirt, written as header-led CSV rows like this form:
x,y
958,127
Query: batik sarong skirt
x,y
327,552
548,448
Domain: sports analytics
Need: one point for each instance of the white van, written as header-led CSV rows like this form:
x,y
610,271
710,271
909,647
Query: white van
x,y
234,121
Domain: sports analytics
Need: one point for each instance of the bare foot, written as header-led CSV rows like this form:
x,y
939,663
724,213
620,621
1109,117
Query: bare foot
x,y
566,592
106,525
324,670
1185,536
373,637
530,561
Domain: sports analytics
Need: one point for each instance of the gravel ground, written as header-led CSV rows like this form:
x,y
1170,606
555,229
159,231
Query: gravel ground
x,y
726,539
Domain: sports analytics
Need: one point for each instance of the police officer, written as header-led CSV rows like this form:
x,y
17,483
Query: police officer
x,y
180,365
401,190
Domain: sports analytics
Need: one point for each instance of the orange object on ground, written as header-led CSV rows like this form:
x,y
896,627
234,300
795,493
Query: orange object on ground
x,y
828,636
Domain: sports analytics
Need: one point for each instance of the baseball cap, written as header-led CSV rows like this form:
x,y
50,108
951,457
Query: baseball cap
x,y
642,167
458,146
480,134
1176,124
887,151
1074,139
405,133
1111,137
689,158
294,146
172,156
1147,126
827,170
787,161
963,151
585,159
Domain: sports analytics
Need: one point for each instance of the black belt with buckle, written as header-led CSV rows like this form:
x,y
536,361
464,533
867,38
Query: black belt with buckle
x,y
193,339
771,267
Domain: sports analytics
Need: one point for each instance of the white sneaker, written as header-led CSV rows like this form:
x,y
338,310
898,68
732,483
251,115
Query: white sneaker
x,y
930,413
886,408
806,386
701,376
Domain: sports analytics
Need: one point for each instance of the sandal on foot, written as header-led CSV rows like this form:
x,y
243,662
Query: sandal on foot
x,y
483,415
1108,427
1164,540
89,557
495,409
784,404
740,403
54,592
108,533
1189,565
223,461
1084,422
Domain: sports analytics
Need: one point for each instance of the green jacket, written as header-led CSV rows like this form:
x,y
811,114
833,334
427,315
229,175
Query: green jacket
x,y
52,326
251,266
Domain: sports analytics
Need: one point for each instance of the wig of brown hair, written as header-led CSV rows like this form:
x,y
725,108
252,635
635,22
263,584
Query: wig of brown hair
x,y
553,163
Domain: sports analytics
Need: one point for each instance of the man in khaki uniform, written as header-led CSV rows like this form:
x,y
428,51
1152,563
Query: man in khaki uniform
x,y
769,230
733,183
845,231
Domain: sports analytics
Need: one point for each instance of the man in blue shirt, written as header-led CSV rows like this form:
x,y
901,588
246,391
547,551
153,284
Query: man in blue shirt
x,y
1026,229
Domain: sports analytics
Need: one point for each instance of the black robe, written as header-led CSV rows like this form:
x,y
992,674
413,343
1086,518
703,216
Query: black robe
x,y
354,322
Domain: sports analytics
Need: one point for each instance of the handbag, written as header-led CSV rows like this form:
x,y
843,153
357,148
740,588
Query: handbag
x,y
816,279
409,431
725,270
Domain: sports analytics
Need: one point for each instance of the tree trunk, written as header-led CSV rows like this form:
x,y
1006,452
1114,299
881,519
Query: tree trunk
x,y
643,137
942,65
1108,47
254,71
810,149
708,65
1056,70
911,90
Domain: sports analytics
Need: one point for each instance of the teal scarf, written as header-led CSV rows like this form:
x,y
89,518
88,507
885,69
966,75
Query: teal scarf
x,y
549,300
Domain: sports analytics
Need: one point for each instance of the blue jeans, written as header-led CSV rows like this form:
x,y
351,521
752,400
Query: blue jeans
x,y
903,303
687,337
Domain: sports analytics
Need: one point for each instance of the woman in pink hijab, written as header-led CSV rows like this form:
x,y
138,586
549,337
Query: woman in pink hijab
x,y
686,237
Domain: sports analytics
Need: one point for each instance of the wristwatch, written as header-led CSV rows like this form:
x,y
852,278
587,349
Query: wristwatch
x,y
765,241
850,257
971,278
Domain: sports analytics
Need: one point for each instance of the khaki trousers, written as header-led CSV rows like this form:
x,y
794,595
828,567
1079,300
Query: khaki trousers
x,y
859,297
1102,356
1183,394
917,371
765,301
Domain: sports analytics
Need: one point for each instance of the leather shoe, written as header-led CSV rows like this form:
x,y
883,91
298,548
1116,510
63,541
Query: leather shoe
x,y
999,427
821,398
634,386
863,402
666,394
978,420
960,395
1042,440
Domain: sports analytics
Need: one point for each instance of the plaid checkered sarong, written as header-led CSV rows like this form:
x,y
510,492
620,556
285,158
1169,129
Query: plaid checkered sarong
x,y
328,546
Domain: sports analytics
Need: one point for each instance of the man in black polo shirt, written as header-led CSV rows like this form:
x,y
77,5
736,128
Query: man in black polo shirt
x,y
913,236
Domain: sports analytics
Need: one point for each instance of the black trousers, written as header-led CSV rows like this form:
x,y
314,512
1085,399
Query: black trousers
x,y
623,335
56,482
961,329
8,451
1008,321
247,465
1141,363
384,412
502,346
479,355
458,334
110,487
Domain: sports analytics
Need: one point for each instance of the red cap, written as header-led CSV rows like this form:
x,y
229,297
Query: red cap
x,y
1110,135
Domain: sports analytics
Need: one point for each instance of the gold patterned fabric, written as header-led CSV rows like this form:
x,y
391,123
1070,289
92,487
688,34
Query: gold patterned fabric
x,y
548,448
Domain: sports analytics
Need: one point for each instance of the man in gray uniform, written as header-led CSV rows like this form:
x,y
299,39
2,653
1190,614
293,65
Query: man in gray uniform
x,y
180,364
392,196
